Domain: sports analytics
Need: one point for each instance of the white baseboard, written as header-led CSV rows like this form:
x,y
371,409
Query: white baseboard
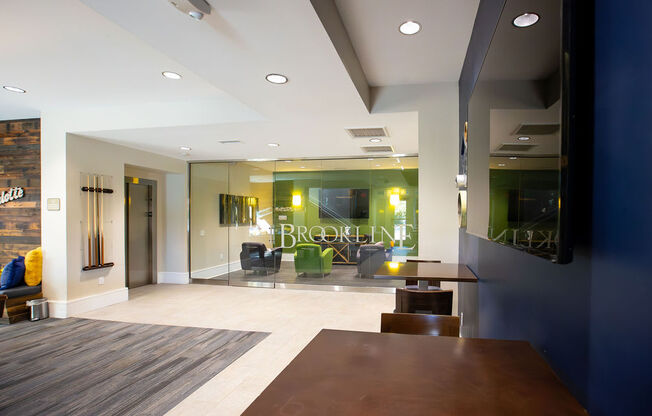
x,y
176,278
64,309
218,270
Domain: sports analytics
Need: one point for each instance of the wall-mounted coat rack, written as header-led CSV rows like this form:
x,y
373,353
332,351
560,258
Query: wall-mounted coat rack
x,y
96,188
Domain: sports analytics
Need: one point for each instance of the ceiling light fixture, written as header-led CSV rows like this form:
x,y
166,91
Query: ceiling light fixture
x,y
410,27
523,138
276,78
273,144
370,158
513,158
525,20
375,140
171,75
196,15
302,167
501,164
377,166
14,89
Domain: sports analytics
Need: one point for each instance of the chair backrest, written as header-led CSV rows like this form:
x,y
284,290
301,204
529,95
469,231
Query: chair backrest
x,y
309,250
418,324
258,249
436,302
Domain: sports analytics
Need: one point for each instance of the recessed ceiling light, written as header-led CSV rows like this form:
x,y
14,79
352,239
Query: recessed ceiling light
x,y
196,15
513,158
410,27
375,140
501,164
276,78
273,144
14,89
525,20
523,138
171,75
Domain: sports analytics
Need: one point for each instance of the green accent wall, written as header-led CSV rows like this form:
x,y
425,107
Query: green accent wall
x,y
380,184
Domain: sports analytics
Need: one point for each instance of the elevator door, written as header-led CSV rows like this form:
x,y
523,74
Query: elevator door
x,y
139,235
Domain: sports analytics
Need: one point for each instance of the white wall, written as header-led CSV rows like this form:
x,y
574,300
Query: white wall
x,y
437,105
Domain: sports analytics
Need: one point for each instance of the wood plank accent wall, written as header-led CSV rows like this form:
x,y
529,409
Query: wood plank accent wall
x,y
20,165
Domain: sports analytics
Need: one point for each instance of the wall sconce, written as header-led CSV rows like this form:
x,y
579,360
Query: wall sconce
x,y
460,181
296,200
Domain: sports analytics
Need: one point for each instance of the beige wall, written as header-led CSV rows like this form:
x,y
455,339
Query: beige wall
x,y
87,155
437,105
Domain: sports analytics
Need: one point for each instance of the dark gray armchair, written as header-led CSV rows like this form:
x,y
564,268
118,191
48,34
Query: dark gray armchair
x,y
256,257
370,258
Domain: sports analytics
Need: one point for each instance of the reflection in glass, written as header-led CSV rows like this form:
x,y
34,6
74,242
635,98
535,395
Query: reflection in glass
x,y
330,222
514,134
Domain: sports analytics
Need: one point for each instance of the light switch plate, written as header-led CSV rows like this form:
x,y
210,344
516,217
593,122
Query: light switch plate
x,y
54,204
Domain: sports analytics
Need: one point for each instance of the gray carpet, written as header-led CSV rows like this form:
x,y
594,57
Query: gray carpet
x,y
90,367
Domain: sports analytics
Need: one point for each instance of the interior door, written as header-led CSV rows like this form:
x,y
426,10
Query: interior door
x,y
139,235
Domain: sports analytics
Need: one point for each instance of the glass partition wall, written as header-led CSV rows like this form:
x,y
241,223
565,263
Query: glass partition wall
x,y
297,222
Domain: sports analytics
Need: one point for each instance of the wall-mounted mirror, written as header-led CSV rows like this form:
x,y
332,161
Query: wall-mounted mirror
x,y
516,133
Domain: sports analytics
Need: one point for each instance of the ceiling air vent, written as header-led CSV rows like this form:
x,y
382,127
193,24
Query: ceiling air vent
x,y
230,141
367,132
377,149
536,129
515,147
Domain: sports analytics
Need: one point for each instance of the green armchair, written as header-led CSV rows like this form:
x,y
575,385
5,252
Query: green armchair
x,y
310,260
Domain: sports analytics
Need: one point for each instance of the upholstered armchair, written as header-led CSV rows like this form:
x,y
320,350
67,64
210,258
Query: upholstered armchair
x,y
370,258
310,260
256,257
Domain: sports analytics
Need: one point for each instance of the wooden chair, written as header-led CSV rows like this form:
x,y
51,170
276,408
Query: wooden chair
x,y
418,324
412,284
436,302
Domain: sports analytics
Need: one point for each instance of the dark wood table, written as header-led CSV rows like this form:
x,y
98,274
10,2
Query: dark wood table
x,y
363,373
433,273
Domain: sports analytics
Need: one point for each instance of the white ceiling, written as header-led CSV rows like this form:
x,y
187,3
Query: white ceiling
x,y
387,57
91,60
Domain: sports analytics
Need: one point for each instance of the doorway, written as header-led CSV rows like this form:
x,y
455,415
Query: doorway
x,y
140,231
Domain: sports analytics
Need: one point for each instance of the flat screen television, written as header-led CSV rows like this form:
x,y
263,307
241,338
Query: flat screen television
x,y
344,203
530,103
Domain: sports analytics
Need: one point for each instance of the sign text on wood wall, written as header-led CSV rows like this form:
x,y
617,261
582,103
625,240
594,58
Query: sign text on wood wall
x,y
11,195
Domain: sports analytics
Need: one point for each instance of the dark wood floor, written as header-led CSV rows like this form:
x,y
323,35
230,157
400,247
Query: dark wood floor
x,y
91,367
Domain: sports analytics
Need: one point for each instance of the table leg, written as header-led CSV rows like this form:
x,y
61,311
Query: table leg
x,y
425,284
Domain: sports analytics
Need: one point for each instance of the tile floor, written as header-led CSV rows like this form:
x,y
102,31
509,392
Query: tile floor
x,y
293,317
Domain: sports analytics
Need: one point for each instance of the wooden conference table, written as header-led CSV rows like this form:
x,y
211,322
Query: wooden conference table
x,y
363,373
433,273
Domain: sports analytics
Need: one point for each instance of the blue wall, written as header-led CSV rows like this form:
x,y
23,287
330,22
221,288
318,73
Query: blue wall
x,y
621,280
591,319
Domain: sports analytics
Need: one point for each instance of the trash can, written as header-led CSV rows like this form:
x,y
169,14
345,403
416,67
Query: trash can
x,y
38,309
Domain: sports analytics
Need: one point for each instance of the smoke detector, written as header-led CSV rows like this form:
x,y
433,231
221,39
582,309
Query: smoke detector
x,y
193,8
